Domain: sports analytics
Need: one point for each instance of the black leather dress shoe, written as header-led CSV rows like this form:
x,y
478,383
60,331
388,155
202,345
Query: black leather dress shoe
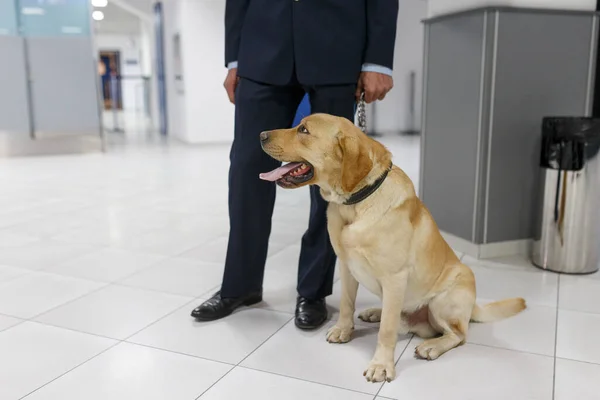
x,y
217,307
310,314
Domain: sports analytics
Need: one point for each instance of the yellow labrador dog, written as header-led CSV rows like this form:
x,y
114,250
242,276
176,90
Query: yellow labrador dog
x,y
385,239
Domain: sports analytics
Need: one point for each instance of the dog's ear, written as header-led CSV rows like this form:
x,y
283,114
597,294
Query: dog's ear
x,y
356,162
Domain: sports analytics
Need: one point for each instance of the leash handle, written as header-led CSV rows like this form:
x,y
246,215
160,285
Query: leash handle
x,y
361,113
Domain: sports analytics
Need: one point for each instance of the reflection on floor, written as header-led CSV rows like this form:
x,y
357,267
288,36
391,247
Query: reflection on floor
x,y
102,257
131,122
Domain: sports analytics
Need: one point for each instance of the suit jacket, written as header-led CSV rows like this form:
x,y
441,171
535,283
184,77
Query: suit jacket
x,y
323,42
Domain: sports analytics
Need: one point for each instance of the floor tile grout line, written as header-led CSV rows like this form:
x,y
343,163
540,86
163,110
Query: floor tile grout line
x,y
108,337
104,285
128,341
510,268
70,370
177,352
217,381
248,355
579,361
28,271
117,342
48,324
151,265
330,318
209,292
297,378
303,380
95,280
11,316
195,296
577,311
159,319
496,347
556,337
21,321
68,302
265,341
489,346
117,282
97,248
412,336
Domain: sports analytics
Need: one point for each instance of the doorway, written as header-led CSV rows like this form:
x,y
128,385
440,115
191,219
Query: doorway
x,y
109,68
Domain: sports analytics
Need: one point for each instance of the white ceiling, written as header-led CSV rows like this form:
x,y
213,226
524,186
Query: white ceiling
x,y
118,20
142,5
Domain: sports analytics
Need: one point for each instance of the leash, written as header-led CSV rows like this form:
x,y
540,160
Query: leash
x,y
361,113
361,122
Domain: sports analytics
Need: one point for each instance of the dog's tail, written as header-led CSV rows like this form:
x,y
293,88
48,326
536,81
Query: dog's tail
x,y
498,310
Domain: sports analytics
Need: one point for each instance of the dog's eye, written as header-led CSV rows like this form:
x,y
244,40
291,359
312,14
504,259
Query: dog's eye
x,y
302,129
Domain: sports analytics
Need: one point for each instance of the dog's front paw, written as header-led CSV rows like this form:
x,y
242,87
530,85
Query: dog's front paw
x,y
337,334
379,372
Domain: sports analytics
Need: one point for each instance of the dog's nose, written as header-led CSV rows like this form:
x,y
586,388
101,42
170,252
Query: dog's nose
x,y
264,136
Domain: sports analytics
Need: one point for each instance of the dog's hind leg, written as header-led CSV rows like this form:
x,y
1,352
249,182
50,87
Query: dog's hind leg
x,y
417,322
431,349
423,330
449,313
408,324
370,315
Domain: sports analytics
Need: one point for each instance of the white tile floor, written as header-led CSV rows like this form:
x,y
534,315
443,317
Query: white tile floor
x,y
102,257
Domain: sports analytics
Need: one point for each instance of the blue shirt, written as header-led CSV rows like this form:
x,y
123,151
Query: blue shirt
x,y
365,68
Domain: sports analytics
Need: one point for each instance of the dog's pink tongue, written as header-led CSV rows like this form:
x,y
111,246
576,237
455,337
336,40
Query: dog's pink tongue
x,y
279,172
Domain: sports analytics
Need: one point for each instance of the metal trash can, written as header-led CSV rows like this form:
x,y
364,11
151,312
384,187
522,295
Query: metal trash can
x,y
567,237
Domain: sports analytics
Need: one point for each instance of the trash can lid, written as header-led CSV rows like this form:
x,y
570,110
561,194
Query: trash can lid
x,y
571,128
567,142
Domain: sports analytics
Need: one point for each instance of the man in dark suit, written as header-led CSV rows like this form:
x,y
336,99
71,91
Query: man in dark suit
x,y
276,51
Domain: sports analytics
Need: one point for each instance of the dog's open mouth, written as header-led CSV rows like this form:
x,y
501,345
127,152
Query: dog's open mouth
x,y
290,175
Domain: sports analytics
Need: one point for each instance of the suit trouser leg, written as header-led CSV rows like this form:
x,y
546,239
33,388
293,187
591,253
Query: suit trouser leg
x,y
317,258
259,107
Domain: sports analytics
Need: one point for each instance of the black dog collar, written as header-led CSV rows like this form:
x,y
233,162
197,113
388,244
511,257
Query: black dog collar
x,y
365,192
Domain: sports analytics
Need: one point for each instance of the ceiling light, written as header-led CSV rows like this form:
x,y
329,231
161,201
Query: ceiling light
x,y
98,15
33,11
99,3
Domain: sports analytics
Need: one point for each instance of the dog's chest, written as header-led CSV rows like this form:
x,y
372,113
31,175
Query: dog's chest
x,y
361,271
358,264
353,245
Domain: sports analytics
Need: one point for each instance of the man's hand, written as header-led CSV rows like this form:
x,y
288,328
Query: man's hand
x,y
231,82
374,85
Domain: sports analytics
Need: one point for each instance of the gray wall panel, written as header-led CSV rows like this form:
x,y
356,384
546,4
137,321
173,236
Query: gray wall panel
x,y
64,91
14,113
451,122
542,69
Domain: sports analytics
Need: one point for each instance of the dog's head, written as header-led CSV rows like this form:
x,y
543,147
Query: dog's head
x,y
327,151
